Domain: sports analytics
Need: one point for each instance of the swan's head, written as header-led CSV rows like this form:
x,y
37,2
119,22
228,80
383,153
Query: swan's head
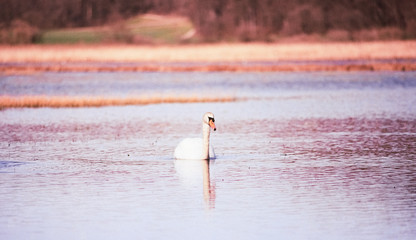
x,y
209,119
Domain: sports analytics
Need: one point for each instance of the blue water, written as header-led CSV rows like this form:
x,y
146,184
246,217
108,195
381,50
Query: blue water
x,y
252,84
299,156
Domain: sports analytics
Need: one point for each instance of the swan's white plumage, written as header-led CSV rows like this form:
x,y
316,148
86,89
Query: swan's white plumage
x,y
192,148
198,148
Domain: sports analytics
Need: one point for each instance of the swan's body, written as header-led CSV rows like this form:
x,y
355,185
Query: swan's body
x,y
191,148
198,148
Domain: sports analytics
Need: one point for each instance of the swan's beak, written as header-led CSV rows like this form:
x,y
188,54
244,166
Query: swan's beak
x,y
212,125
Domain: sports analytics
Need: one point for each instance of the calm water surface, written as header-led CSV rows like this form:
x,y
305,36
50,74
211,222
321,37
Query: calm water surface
x,y
301,156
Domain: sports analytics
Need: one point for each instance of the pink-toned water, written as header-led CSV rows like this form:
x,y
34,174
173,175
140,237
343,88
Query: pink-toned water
x,y
301,156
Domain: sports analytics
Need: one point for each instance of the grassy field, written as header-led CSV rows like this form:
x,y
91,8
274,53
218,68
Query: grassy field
x,y
150,28
70,36
147,28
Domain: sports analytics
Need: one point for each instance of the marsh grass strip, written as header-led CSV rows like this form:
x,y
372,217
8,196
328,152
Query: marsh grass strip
x,y
85,101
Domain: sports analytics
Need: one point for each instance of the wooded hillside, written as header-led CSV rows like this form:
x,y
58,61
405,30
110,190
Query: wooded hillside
x,y
239,20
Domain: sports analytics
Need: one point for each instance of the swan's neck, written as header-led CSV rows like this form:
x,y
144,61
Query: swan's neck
x,y
205,141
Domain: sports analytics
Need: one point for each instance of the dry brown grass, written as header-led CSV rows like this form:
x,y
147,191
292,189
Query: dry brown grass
x,y
227,67
73,102
237,52
220,57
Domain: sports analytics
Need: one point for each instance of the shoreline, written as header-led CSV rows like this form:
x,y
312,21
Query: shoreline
x,y
30,68
232,57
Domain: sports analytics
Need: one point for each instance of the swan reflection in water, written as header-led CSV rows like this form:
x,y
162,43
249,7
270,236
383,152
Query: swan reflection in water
x,y
193,174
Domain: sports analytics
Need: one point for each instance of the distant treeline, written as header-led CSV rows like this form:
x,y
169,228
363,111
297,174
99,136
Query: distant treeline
x,y
242,20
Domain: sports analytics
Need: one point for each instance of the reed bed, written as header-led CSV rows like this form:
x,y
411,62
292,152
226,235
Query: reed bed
x,y
28,59
76,102
237,52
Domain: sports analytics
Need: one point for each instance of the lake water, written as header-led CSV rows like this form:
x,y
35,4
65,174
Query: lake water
x,y
299,156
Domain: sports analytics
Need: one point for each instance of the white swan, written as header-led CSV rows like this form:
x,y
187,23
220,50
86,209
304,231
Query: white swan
x,y
198,148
